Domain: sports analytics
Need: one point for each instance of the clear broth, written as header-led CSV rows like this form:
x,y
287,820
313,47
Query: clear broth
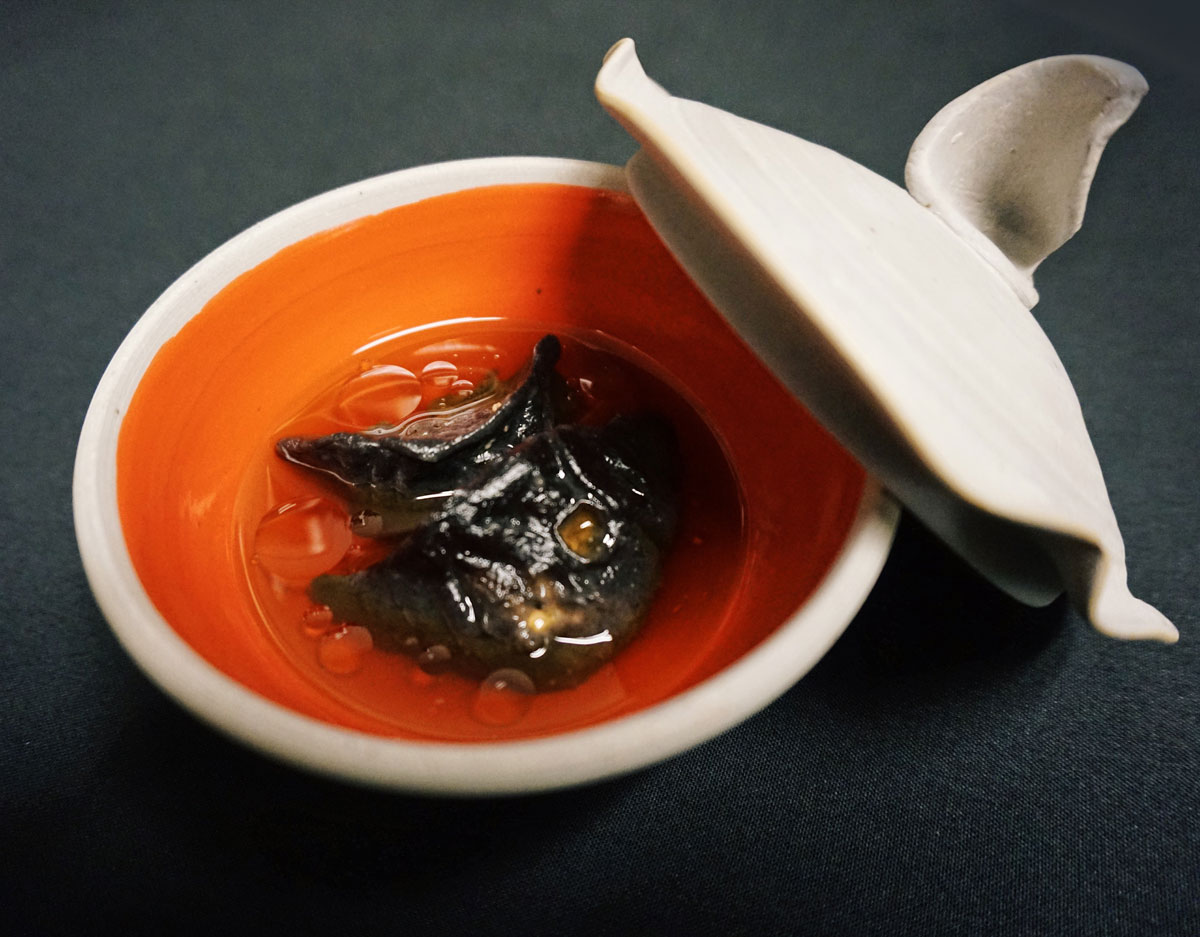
x,y
771,496
396,690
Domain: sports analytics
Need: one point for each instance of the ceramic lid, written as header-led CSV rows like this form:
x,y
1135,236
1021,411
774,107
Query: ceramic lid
x,y
902,320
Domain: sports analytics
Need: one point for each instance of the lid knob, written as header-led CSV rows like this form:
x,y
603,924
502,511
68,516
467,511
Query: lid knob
x,y
1008,165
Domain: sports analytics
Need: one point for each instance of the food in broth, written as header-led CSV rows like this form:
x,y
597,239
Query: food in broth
x,y
526,545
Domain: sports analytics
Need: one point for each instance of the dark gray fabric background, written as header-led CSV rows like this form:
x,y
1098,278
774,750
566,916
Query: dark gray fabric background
x,y
958,764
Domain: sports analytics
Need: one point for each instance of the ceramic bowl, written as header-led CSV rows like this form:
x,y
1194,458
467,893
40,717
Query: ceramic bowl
x,y
189,393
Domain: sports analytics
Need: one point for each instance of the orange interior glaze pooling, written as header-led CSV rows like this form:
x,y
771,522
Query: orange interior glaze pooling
x,y
765,514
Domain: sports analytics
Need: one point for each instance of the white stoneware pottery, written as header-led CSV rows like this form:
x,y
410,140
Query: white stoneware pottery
x,y
903,320
609,748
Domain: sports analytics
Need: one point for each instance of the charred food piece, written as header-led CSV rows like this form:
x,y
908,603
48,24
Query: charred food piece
x,y
546,564
528,545
400,474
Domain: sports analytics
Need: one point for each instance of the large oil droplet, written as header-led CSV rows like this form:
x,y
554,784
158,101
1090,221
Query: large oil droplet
x,y
503,698
437,377
302,539
382,396
342,651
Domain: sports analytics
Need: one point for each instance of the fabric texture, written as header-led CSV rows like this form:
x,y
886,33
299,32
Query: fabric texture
x,y
957,764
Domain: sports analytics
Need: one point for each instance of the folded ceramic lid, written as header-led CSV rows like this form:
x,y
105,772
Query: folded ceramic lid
x,y
902,320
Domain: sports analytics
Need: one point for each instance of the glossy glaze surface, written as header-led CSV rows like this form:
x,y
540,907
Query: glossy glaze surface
x,y
544,256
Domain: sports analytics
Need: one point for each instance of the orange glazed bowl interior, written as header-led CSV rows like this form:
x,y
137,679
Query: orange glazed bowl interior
x,y
782,533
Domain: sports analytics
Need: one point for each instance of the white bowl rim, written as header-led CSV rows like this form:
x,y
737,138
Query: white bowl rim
x,y
477,768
